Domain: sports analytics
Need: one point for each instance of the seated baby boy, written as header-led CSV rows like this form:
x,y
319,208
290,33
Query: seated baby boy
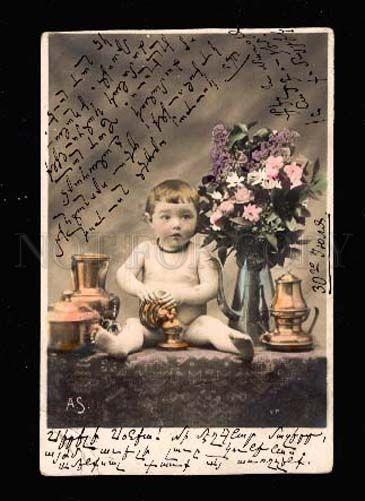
x,y
185,271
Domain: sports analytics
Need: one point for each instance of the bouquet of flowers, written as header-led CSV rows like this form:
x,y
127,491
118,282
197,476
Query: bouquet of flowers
x,y
254,199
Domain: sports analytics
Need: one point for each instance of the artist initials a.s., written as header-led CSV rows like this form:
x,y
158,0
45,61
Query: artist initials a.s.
x,y
75,404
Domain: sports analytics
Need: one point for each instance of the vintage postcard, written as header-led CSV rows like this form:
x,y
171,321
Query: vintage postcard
x,y
187,214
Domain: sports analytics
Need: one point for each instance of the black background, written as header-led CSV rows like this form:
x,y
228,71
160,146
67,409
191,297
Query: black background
x,y
20,31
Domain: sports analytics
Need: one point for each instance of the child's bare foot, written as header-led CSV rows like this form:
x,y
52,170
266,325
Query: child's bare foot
x,y
243,343
109,343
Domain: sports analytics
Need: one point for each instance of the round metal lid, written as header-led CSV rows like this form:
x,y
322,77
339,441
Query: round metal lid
x,y
90,256
67,311
287,278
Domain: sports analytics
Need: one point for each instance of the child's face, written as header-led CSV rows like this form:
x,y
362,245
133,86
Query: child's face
x,y
174,224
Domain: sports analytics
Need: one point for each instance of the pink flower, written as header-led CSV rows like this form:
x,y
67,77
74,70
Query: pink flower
x,y
294,173
252,212
216,217
226,207
273,165
295,183
242,195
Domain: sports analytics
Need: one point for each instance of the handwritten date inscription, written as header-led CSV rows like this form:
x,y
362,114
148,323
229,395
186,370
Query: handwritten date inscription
x,y
127,97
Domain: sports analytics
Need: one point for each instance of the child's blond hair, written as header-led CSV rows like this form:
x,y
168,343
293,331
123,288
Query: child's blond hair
x,y
172,191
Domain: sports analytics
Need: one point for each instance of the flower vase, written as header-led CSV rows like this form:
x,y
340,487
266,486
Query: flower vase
x,y
254,292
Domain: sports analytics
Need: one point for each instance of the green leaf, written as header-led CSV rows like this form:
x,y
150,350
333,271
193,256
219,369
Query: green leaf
x,y
311,171
318,185
291,224
211,187
294,194
240,221
273,217
238,133
305,212
251,124
222,254
303,195
262,133
278,196
207,240
315,169
273,241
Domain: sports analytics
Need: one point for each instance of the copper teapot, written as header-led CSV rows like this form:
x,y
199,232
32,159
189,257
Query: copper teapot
x,y
289,310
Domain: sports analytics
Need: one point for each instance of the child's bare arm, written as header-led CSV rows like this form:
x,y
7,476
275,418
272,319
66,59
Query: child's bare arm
x,y
128,272
207,288
127,277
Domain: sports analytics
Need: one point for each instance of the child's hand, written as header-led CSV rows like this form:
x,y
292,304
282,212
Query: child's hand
x,y
168,300
145,294
165,298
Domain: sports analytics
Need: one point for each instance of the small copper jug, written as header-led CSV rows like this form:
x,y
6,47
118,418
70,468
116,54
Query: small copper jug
x,y
89,276
289,310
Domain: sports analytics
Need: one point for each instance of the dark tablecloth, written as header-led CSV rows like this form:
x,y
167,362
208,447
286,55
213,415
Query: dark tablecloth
x,y
196,387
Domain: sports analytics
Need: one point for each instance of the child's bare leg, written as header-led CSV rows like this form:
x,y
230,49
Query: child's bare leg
x,y
208,329
131,338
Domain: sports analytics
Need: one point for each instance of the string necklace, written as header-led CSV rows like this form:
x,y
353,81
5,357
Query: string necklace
x,y
172,251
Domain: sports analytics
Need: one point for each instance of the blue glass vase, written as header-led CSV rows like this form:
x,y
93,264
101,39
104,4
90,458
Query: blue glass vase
x,y
253,294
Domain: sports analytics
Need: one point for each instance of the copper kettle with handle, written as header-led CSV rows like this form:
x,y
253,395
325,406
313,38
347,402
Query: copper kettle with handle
x,y
290,310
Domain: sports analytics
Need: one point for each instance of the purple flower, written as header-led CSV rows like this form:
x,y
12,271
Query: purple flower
x,y
220,135
285,136
246,160
257,155
220,156
221,160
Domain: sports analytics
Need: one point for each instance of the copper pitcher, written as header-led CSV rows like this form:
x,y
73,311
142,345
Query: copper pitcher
x,y
290,310
89,273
